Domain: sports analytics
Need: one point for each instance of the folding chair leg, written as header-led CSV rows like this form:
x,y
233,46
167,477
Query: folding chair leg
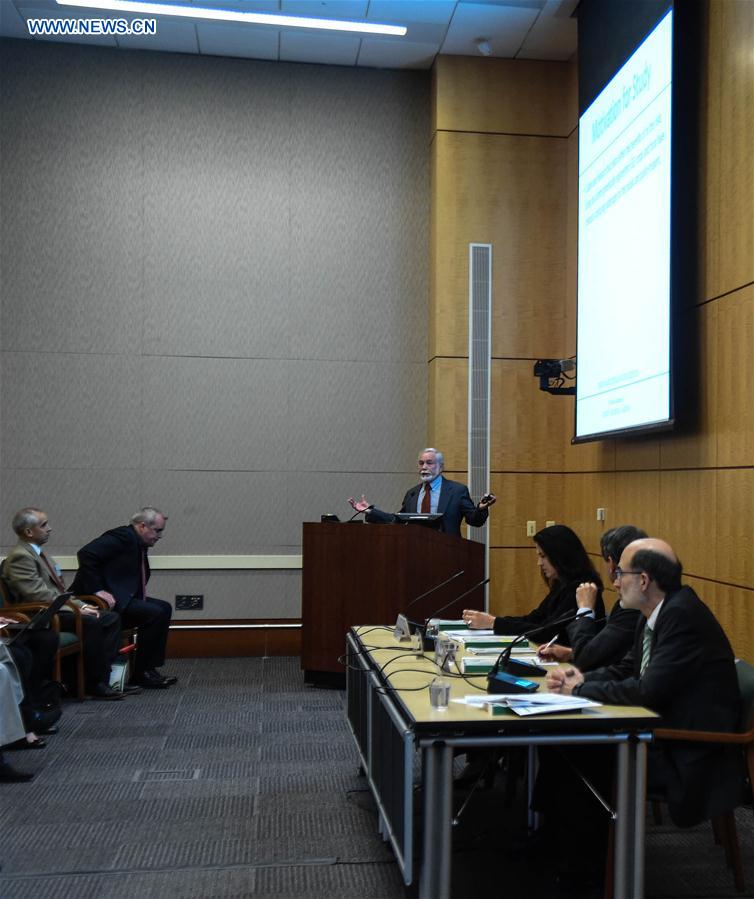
x,y
727,825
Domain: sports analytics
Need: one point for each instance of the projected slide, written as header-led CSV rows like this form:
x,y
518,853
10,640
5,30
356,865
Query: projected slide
x,y
623,348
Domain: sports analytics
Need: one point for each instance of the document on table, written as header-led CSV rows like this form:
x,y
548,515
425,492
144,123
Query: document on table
x,y
525,704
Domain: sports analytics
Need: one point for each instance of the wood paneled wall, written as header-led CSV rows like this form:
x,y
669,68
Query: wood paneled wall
x,y
504,153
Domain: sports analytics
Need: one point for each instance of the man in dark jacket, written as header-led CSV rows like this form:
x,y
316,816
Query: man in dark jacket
x,y
115,567
435,494
682,667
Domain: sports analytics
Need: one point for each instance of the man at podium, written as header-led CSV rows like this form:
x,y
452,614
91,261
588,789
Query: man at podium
x,y
434,495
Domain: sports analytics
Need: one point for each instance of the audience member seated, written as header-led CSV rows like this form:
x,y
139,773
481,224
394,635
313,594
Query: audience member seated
x,y
564,564
115,567
32,576
592,646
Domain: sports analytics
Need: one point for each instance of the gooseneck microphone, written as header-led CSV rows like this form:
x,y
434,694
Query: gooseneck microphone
x,y
433,589
497,681
459,598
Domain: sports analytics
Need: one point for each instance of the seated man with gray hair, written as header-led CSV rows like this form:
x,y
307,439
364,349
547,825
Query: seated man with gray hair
x,y
115,566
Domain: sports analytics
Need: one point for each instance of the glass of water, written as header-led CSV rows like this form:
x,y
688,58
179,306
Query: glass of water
x,y
439,694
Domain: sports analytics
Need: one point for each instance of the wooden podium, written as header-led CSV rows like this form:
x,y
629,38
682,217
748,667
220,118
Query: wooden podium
x,y
358,573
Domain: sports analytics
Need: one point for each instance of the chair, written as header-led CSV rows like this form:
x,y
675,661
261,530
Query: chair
x,y
724,827
70,643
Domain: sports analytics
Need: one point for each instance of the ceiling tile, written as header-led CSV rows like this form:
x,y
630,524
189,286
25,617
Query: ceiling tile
x,y
245,41
503,27
172,37
325,9
399,12
300,46
396,55
550,39
12,24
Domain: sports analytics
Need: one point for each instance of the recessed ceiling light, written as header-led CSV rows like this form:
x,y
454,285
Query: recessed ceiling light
x,y
228,15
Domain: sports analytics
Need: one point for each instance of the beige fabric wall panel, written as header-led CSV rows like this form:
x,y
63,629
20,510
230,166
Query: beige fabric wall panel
x,y
71,270
216,272
504,96
69,410
734,381
523,497
232,594
81,502
510,192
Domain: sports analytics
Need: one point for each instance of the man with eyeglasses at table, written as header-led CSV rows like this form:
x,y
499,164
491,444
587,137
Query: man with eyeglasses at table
x,y
115,567
682,667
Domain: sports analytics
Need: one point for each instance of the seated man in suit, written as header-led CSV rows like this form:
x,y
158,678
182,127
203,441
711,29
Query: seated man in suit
x,y
682,667
32,576
115,567
435,494
592,645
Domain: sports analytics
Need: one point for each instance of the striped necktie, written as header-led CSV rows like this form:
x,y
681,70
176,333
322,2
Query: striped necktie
x,y
646,648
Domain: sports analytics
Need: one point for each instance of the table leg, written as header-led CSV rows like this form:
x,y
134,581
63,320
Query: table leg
x,y
438,811
629,825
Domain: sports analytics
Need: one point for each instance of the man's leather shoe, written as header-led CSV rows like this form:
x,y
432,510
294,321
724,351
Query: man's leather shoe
x,y
11,775
52,729
41,720
131,690
105,691
168,679
150,680
23,743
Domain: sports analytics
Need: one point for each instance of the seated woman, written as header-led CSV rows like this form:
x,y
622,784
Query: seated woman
x,y
564,564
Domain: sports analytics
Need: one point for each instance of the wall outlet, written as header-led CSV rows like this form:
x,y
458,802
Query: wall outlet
x,y
600,514
189,603
549,524
531,528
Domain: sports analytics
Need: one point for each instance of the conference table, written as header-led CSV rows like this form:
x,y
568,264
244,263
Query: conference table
x,y
394,726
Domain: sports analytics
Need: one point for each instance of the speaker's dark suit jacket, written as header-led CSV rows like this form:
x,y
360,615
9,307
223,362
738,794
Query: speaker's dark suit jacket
x,y
691,681
454,503
112,562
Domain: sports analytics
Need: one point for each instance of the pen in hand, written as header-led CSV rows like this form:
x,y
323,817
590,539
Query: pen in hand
x,y
548,644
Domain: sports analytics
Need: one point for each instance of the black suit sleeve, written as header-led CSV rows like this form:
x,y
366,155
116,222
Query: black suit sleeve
x,y
473,515
595,648
92,559
678,656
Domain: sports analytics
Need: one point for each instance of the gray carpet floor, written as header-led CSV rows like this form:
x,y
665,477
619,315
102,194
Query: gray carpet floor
x,y
242,781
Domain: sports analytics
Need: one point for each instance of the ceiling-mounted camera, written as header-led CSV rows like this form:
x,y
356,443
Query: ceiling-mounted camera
x,y
552,375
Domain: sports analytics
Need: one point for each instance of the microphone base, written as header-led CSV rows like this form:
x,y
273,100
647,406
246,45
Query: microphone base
x,y
524,669
502,682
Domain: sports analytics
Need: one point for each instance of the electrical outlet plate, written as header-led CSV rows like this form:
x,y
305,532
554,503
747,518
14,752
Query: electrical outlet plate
x,y
531,528
192,602
600,514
